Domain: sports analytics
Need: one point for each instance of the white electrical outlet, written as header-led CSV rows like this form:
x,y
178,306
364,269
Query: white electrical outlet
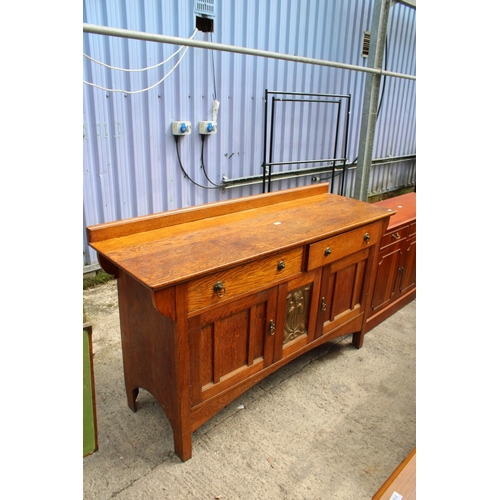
x,y
181,128
207,127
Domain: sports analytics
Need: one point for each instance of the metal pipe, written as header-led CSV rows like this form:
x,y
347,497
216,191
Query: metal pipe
x,y
298,162
307,93
335,145
370,101
307,100
388,161
271,146
342,191
152,37
303,172
278,176
265,145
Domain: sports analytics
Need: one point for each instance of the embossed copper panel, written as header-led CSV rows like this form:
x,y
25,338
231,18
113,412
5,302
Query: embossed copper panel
x,y
297,313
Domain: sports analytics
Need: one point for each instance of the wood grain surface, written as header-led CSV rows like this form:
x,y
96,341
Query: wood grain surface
x,y
402,480
161,256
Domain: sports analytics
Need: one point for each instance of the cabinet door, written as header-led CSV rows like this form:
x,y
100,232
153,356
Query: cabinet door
x,y
296,318
386,283
409,268
230,342
342,291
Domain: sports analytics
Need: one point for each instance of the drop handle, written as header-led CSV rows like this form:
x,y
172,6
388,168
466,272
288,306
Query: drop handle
x,y
323,304
396,236
272,328
366,238
219,289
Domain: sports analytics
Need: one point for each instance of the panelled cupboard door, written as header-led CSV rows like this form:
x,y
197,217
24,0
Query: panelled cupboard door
x,y
230,342
386,283
342,288
409,269
396,273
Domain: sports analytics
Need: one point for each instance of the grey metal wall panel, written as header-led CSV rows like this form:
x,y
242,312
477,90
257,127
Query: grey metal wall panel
x,y
130,164
396,127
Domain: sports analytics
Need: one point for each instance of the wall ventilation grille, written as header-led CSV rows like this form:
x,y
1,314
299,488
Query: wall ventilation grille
x,y
366,44
205,8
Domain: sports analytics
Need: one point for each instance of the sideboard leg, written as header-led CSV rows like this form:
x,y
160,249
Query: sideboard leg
x,y
131,399
179,384
357,339
183,444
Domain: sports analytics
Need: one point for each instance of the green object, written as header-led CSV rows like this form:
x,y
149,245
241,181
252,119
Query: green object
x,y
89,419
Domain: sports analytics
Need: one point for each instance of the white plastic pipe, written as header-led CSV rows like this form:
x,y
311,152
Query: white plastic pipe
x,y
151,37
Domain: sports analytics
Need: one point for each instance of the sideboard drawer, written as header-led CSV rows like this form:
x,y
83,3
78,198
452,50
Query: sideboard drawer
x,y
394,236
326,251
220,286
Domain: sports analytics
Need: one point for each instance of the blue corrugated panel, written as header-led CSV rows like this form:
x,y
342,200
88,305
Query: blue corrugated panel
x,y
130,159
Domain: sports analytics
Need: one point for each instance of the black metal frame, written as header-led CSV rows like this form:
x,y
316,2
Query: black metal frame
x,y
335,161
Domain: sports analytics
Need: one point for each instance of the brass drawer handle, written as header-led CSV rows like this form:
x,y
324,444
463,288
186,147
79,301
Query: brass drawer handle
x,y
367,238
328,251
272,328
396,236
281,265
219,289
323,304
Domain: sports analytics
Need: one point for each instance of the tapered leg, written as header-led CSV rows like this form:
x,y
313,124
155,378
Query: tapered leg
x,y
131,398
357,339
183,444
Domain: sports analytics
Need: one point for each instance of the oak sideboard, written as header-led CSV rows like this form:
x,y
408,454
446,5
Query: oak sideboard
x,y
214,298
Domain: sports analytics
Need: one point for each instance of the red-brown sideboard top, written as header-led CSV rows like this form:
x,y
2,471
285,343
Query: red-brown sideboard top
x,y
405,207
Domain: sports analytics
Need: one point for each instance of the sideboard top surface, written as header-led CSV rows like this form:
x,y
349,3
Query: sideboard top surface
x,y
175,246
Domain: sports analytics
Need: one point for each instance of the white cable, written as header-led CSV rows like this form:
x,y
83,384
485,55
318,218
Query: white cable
x,y
143,69
142,90
132,70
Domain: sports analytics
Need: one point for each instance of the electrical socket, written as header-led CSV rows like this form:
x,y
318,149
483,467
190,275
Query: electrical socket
x,y
208,128
181,127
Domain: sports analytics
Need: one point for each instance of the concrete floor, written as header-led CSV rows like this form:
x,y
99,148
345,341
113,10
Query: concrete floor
x,y
332,424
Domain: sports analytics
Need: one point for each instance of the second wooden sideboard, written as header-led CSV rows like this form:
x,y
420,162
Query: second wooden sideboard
x,y
214,298
396,276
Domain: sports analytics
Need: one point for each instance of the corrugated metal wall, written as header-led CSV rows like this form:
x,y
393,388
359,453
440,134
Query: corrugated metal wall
x,y
130,161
